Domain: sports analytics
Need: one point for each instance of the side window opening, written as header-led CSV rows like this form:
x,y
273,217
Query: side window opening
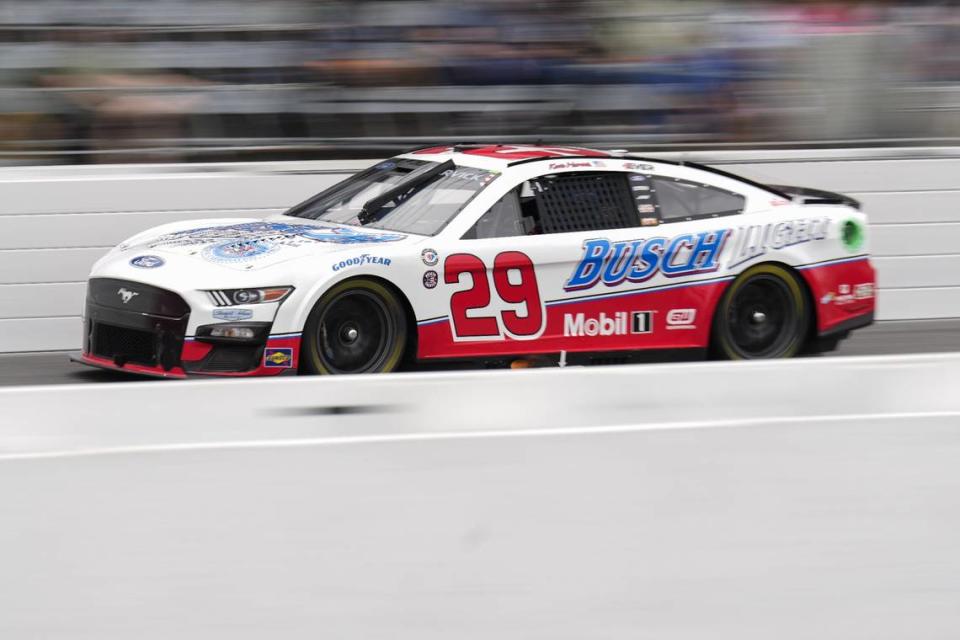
x,y
530,214
504,219
681,200
585,202
561,203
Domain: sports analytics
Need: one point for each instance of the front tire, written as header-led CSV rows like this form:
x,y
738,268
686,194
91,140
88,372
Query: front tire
x,y
764,314
358,326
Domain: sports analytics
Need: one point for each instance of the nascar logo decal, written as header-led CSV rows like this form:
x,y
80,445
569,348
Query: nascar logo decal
x,y
639,260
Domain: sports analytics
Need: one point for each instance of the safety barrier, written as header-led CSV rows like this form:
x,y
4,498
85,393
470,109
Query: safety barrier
x,y
696,500
55,222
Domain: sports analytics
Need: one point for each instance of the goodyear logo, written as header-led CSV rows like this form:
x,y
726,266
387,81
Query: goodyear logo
x,y
278,358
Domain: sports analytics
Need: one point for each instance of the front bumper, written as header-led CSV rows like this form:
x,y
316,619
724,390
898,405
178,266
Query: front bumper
x,y
138,328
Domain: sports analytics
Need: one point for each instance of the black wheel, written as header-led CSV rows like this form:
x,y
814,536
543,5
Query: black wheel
x,y
764,314
358,326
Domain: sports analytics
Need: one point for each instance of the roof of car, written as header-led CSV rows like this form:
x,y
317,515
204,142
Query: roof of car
x,y
496,157
505,154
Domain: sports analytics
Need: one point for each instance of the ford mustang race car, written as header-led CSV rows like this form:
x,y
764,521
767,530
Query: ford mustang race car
x,y
489,253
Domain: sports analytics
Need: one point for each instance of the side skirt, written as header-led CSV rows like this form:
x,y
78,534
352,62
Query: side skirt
x,y
577,359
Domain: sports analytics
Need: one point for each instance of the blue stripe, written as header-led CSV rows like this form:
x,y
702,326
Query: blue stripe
x,y
827,263
637,292
278,335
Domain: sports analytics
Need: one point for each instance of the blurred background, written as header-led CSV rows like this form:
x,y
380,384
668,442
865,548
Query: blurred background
x,y
93,81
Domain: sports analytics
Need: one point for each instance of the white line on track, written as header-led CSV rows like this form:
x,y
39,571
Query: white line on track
x,y
475,435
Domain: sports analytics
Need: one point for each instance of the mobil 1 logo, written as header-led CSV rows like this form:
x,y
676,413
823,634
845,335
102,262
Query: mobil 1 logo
x,y
620,323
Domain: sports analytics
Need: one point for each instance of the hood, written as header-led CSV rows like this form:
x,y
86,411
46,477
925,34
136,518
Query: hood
x,y
257,244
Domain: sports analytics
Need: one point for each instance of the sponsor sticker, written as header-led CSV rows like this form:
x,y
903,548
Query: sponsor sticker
x,y
430,279
847,294
753,241
429,257
366,258
232,315
147,262
278,358
614,261
852,235
620,323
480,176
681,319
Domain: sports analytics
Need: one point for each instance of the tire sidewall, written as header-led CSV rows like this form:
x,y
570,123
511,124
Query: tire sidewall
x,y
310,360
723,344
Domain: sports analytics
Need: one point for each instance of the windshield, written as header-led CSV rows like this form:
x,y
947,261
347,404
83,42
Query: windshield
x,y
424,209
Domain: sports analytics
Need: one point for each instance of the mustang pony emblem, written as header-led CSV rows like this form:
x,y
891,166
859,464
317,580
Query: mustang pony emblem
x,y
126,295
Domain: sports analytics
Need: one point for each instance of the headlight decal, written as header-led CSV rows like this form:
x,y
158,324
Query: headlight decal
x,y
233,297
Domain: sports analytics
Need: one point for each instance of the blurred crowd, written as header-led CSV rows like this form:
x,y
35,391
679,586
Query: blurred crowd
x,y
173,80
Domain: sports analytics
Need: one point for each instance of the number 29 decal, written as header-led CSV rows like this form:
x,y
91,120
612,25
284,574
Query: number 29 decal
x,y
515,283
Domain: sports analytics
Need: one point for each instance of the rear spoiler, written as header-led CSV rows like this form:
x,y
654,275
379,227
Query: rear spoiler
x,y
806,195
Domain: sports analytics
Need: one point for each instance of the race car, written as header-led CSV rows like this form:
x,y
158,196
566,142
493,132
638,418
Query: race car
x,y
490,254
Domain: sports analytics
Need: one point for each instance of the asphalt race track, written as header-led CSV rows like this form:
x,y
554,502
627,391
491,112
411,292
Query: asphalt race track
x,y
885,338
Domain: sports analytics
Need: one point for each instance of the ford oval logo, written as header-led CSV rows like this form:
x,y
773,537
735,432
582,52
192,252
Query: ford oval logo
x,y
147,262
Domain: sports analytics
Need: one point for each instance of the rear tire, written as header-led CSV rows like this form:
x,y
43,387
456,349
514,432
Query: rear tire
x,y
764,314
358,326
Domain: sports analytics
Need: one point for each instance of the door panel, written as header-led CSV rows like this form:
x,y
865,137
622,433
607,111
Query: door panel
x,y
614,289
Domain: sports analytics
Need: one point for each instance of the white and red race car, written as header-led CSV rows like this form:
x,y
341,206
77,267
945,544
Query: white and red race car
x,y
489,253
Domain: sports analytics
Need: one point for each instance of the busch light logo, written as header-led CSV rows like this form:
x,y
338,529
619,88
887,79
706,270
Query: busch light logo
x,y
757,239
147,262
618,324
639,260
